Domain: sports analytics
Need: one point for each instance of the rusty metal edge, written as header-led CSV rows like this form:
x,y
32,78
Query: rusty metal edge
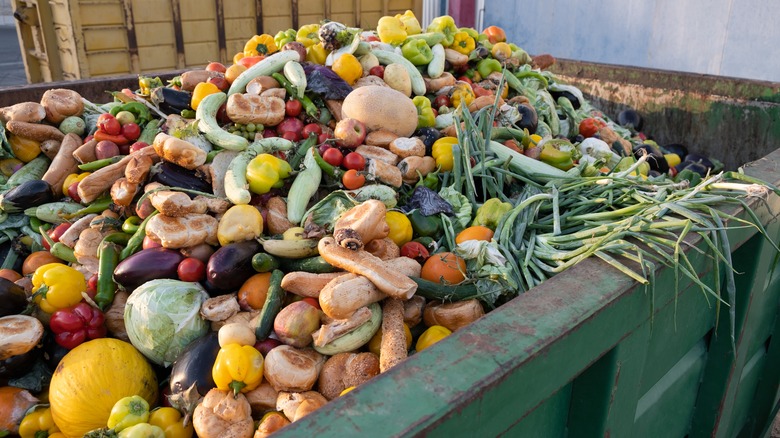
x,y
221,31
178,34
749,89
259,16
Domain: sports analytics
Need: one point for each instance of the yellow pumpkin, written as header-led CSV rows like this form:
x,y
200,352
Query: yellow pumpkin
x,y
91,378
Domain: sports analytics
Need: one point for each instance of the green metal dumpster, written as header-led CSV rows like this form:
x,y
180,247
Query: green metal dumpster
x,y
590,352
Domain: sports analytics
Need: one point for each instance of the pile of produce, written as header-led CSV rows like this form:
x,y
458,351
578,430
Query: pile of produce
x,y
225,253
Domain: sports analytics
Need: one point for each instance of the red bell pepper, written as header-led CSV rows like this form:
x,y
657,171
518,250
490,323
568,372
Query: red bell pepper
x,y
119,139
73,326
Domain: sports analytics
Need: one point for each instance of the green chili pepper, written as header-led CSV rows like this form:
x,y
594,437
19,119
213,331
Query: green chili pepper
x,y
135,242
96,207
308,105
487,66
556,157
63,252
99,164
425,116
131,224
326,167
188,113
297,157
108,256
417,52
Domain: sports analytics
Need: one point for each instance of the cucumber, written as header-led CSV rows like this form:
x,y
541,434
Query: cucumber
x,y
303,188
436,66
384,193
448,293
430,38
315,265
266,67
385,57
262,262
206,116
236,185
272,306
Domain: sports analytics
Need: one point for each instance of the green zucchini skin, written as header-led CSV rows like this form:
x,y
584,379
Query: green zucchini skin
x,y
272,306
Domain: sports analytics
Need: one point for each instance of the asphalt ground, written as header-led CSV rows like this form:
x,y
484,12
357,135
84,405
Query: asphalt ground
x,y
11,64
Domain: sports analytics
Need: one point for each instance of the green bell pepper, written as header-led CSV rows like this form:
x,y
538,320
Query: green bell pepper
x,y
417,52
446,25
425,226
425,116
139,110
283,37
490,213
487,66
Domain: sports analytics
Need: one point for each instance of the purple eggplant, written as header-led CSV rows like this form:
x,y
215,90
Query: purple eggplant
x,y
230,266
145,265
191,373
13,298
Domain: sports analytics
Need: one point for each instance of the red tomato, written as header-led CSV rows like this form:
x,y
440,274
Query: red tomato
x,y
333,156
495,34
73,191
480,91
109,124
353,180
191,269
220,82
293,108
354,160
57,232
92,286
590,126
249,61
137,146
322,138
378,71
441,100
131,131
292,136
415,250
216,66
466,79
312,128
312,302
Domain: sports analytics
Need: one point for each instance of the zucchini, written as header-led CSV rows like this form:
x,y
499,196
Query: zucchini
x,y
31,171
54,212
295,74
315,265
418,84
303,188
206,116
26,195
236,185
436,66
356,338
266,67
272,305
430,38
447,293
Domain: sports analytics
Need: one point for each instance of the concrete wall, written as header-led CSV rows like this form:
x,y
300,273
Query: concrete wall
x,y
739,38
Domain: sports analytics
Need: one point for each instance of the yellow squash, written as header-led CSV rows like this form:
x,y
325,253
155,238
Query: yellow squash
x,y
91,378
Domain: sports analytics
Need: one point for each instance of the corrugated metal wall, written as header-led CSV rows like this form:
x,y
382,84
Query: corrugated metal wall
x,y
737,38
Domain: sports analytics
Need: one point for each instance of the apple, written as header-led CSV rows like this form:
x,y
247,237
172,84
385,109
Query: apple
x,y
350,133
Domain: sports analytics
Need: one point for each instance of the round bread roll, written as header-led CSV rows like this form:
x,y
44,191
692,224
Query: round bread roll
x,y
331,381
360,368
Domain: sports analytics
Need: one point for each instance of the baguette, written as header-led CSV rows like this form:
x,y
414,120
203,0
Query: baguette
x,y
361,262
34,131
385,173
307,284
393,347
378,153
63,163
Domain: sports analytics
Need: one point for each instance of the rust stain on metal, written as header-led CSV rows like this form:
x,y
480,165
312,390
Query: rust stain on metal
x,y
178,34
132,41
259,16
221,31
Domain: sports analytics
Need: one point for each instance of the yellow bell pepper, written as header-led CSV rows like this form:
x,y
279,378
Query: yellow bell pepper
x,y
37,424
400,227
391,30
171,422
142,430
238,368
463,43
308,35
265,172
430,336
260,45
238,57
411,24
57,286
23,148
446,25
348,68
73,177
202,90
317,54
128,411
441,151
461,92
